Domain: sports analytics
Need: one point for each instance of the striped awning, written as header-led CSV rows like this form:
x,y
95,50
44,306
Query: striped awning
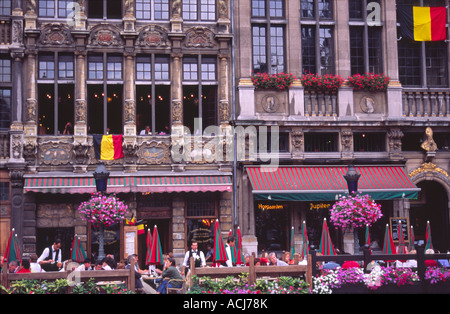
x,y
156,184
74,185
325,183
182,184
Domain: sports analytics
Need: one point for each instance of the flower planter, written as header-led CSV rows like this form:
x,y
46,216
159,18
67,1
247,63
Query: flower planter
x,y
416,288
359,288
438,288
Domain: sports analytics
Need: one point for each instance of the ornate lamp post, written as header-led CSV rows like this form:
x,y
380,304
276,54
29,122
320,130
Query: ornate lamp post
x,y
101,176
352,178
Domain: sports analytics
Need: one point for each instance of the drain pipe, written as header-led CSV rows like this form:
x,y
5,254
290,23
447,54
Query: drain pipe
x,y
233,96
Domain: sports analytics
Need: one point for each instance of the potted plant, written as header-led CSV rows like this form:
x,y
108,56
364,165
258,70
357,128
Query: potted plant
x,y
328,83
437,279
369,82
103,210
279,81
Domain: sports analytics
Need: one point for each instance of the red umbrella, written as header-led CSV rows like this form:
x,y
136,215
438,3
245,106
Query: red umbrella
x,y
326,245
78,253
219,253
12,252
240,256
156,255
148,242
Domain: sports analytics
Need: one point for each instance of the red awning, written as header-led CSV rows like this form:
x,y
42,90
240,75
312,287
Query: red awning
x,y
321,183
157,184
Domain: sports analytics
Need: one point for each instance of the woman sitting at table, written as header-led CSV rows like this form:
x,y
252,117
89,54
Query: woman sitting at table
x,y
170,272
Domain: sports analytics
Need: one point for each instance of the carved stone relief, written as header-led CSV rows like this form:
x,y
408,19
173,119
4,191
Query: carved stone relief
x,y
154,153
199,37
395,142
177,111
297,141
130,111
153,36
54,153
56,34
105,36
80,111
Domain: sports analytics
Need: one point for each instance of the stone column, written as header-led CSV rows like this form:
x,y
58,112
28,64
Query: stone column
x,y
178,229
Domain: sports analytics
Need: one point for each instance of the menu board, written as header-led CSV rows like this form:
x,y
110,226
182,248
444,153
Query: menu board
x,y
130,240
394,224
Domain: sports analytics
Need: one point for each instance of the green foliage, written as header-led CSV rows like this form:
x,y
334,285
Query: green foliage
x,y
231,285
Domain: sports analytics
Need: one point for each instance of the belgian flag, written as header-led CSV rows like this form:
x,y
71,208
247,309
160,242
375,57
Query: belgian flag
x,y
108,147
422,23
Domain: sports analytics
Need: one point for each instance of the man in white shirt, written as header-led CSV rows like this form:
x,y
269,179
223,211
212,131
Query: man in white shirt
x,y
274,261
51,259
34,265
86,265
199,257
230,242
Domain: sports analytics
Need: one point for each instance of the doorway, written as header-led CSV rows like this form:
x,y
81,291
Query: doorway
x,y
432,206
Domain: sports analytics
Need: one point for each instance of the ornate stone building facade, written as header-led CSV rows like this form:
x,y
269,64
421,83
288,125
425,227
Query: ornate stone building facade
x,y
321,131
116,68
72,69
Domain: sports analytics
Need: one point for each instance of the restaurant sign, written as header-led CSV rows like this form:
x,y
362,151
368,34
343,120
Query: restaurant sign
x,y
319,206
275,206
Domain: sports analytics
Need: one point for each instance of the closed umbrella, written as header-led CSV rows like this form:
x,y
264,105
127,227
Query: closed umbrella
x,y
292,245
219,253
388,244
411,239
78,253
429,242
12,252
240,255
156,255
148,242
233,249
367,235
305,250
326,245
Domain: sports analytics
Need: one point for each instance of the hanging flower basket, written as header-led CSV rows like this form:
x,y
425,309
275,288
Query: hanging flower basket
x,y
355,211
103,210
369,82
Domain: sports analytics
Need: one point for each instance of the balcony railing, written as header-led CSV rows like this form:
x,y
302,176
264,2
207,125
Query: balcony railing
x,y
426,103
320,104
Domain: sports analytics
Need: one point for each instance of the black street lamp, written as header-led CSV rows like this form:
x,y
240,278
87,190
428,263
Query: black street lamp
x,y
101,176
352,178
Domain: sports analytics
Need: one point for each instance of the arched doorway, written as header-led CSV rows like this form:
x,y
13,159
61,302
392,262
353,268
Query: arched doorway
x,y
431,205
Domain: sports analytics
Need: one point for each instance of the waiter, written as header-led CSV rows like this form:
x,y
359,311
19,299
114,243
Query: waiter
x,y
199,257
50,259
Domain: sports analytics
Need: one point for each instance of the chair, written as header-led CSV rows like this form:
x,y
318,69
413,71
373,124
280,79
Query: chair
x,y
180,289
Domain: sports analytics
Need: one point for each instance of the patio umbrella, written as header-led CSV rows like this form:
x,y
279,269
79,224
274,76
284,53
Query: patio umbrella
x,y
12,252
326,246
292,245
219,253
388,244
240,256
367,235
156,255
148,242
429,242
233,249
78,253
411,239
305,250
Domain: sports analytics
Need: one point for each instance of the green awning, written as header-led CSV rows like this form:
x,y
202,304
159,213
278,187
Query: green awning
x,y
326,183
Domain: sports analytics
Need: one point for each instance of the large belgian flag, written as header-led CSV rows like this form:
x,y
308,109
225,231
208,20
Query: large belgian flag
x,y
422,23
108,147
